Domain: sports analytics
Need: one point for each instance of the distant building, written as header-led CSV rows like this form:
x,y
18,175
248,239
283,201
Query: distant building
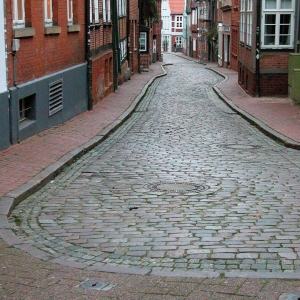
x,y
172,28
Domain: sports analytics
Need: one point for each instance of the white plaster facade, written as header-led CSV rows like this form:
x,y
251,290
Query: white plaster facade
x,y
3,75
166,31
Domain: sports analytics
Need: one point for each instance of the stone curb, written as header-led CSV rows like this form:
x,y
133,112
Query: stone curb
x,y
9,201
252,120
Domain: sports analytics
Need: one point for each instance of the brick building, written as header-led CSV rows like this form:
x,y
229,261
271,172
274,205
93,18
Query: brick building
x,y
150,35
228,33
63,57
46,64
263,53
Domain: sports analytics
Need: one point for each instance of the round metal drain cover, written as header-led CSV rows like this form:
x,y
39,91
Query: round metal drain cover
x,y
177,187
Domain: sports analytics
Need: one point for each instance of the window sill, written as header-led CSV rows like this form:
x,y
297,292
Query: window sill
x,y
52,30
25,123
24,32
107,24
73,28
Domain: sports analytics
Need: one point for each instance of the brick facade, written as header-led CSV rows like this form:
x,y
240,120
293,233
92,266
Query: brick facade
x,y
41,54
66,62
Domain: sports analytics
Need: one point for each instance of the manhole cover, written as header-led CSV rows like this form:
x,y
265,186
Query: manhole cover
x,y
177,187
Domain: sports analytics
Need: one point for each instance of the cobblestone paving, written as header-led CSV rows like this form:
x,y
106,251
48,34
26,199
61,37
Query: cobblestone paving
x,y
185,185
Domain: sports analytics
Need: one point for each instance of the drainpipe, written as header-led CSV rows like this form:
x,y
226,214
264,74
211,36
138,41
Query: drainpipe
x,y
140,21
88,55
128,36
115,42
257,54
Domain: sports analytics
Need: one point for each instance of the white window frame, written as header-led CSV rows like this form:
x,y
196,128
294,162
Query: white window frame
x,y
242,20
178,21
106,11
47,13
122,8
91,11
18,22
178,40
278,11
143,37
194,17
70,10
96,11
249,23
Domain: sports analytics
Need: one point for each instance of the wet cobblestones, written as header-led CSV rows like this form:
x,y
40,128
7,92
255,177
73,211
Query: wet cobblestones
x,y
101,212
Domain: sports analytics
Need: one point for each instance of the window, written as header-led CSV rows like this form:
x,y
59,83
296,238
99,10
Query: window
x,y
143,41
194,17
27,108
18,14
121,8
106,11
249,23
70,9
178,42
96,11
277,24
178,23
48,12
194,44
123,48
242,21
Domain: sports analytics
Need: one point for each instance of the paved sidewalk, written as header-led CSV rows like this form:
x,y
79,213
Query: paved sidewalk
x,y
23,161
275,116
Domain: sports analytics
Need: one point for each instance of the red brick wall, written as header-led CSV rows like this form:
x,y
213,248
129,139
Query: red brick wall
x,y
273,84
46,54
134,36
102,80
246,79
274,60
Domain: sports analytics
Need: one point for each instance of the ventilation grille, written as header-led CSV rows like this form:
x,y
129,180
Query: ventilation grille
x,y
55,97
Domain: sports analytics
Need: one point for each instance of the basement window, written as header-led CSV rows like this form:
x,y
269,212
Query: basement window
x,y
27,109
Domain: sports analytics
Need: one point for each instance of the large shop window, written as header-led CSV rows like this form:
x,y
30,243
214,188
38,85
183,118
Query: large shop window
x,y
278,17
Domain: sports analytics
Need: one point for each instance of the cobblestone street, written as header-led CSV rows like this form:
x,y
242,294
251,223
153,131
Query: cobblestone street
x,y
185,184
185,190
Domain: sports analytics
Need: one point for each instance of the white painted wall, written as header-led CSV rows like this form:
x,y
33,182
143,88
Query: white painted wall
x,y
167,23
3,82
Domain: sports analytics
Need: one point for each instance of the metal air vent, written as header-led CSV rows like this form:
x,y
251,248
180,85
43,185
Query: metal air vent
x,y
55,97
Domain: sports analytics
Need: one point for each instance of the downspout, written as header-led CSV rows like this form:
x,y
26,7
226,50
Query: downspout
x,y
115,41
88,55
140,21
257,54
128,37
